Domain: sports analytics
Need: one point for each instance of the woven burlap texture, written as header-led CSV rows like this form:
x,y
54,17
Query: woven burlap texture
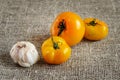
x,y
30,20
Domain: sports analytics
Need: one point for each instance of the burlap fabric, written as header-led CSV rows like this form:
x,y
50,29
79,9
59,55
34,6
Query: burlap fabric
x,y
31,20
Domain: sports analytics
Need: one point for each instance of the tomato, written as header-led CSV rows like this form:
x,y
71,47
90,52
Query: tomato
x,y
55,50
69,26
95,29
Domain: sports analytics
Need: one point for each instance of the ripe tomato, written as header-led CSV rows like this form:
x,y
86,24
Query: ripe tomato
x,y
95,29
69,26
55,50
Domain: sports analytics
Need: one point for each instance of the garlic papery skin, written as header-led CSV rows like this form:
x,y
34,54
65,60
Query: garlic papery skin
x,y
24,53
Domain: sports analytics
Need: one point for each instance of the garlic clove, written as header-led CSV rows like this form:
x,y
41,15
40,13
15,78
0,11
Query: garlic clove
x,y
24,64
24,53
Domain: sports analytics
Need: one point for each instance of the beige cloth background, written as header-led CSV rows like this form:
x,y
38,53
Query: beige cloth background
x,y
31,20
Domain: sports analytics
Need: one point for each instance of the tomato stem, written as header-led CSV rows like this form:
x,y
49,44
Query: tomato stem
x,y
93,22
61,27
55,45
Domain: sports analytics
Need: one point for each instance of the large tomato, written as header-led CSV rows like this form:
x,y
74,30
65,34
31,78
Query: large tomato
x,y
69,26
95,29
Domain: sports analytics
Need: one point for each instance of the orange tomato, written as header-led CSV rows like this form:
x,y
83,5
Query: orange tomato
x,y
95,29
55,50
69,26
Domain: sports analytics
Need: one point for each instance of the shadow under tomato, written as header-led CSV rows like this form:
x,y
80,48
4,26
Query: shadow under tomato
x,y
86,40
37,40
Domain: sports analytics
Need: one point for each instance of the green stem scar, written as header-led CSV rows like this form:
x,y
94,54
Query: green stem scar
x,y
93,22
55,45
61,27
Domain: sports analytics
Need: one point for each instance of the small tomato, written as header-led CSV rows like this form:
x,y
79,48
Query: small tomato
x,y
69,26
55,50
95,29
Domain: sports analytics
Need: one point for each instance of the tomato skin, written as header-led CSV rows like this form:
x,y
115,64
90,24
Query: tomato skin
x,y
55,56
74,27
95,32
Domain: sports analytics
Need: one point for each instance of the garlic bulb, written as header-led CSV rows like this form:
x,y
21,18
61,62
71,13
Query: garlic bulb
x,y
24,53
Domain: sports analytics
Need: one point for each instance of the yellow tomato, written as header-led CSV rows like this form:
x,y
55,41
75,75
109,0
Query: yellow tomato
x,y
69,26
55,50
95,29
